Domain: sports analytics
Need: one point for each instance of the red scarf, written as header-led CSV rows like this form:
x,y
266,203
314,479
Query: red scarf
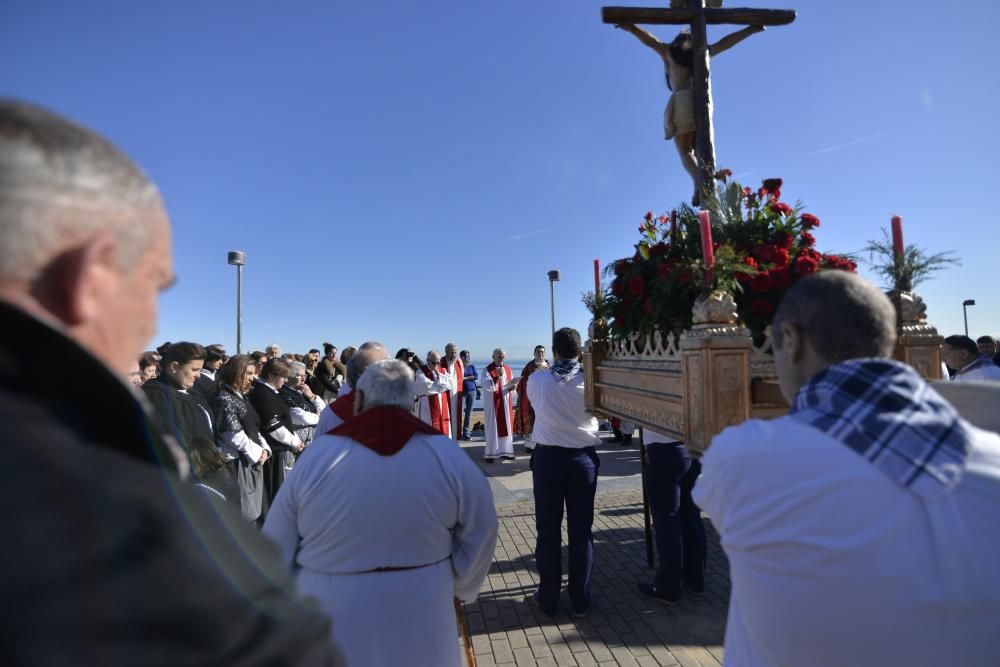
x,y
499,380
439,405
384,429
343,407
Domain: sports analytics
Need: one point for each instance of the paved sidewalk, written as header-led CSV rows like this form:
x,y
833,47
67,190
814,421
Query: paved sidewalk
x,y
623,627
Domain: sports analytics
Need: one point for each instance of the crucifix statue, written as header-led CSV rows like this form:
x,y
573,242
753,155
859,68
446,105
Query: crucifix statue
x,y
688,116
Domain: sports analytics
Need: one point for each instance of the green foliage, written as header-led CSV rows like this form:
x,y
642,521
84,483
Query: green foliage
x,y
912,268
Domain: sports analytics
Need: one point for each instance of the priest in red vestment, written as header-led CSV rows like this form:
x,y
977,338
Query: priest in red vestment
x,y
452,365
431,387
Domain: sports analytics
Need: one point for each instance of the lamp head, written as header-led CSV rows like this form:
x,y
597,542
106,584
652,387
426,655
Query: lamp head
x,y
553,276
237,258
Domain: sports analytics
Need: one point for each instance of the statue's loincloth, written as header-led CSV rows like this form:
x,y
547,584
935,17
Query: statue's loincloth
x,y
678,117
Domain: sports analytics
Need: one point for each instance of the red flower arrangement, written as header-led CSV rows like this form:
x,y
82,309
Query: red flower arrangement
x,y
763,246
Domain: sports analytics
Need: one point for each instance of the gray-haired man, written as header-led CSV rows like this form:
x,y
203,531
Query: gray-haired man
x,y
113,560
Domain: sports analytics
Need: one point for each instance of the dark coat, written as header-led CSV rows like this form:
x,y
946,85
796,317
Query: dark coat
x,y
109,558
181,414
205,388
326,373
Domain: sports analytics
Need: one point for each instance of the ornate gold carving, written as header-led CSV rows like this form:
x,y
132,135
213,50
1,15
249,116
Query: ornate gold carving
x,y
717,308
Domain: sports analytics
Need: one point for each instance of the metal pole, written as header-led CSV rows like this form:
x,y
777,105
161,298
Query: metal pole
x,y
239,309
552,301
965,316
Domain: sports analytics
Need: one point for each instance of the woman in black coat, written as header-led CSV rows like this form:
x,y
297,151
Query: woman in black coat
x,y
182,414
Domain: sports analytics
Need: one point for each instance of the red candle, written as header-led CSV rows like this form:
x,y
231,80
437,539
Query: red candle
x,y
707,251
897,236
597,277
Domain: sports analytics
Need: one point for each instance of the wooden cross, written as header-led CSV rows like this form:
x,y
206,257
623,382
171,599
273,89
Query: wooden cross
x,y
698,16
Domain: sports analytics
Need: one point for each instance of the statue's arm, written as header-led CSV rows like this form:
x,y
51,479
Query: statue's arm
x,y
729,41
645,37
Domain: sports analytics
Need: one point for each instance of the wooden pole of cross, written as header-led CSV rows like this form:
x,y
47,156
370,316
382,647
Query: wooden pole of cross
x,y
698,16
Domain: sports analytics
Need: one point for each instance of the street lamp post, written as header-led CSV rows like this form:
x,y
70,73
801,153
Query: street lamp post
x,y
553,278
238,259
965,313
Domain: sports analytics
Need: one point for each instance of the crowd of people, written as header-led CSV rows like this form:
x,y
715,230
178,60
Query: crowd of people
x,y
317,510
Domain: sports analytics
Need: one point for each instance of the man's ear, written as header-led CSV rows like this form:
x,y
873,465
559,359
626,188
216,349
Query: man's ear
x,y
792,343
359,402
76,283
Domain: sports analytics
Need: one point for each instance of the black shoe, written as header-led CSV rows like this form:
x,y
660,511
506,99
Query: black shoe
x,y
581,614
508,457
627,441
697,591
489,459
533,598
649,590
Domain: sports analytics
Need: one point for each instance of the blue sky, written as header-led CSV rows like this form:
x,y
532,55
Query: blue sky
x,y
409,171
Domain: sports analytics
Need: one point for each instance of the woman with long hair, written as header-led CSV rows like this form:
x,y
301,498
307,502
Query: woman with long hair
x,y
237,433
182,413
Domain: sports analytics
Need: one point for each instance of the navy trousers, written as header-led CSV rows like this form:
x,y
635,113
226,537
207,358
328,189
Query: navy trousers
x,y
564,476
681,547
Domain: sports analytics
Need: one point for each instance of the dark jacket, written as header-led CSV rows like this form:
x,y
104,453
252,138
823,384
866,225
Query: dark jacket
x,y
206,388
110,559
327,372
181,414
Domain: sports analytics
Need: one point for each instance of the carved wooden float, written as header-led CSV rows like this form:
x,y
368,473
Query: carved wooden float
x,y
690,387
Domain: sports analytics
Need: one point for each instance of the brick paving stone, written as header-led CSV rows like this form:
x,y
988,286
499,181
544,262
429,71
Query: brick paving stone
x,y
622,627
523,657
501,651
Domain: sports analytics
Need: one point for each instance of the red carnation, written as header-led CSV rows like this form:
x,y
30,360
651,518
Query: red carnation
x,y
636,285
809,220
761,282
723,174
747,191
647,306
648,216
808,240
781,278
621,266
663,270
751,262
772,184
783,240
805,265
683,277
616,288
761,308
781,207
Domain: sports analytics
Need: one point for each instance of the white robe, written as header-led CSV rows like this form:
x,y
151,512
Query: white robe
x,y
345,511
328,419
496,445
428,390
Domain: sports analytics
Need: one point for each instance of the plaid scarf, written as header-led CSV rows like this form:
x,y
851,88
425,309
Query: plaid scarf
x,y
884,411
565,369
980,362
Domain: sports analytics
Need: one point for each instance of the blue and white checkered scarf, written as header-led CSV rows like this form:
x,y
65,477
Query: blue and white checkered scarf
x,y
565,369
884,411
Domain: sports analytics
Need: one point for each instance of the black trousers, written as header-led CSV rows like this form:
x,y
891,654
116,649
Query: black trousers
x,y
563,476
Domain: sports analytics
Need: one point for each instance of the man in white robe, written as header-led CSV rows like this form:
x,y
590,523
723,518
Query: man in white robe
x,y
432,386
452,365
499,390
384,522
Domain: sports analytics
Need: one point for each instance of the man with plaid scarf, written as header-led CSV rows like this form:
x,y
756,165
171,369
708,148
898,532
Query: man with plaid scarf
x,y
861,527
